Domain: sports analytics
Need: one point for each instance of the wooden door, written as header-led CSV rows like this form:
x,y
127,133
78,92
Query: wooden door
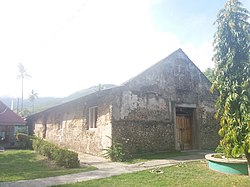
x,y
183,127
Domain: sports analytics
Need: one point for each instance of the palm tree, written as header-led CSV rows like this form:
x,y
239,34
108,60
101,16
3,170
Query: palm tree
x,y
32,97
22,75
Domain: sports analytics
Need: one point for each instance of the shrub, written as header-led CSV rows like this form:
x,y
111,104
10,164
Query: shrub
x,y
66,158
36,143
24,141
46,149
115,152
62,157
219,149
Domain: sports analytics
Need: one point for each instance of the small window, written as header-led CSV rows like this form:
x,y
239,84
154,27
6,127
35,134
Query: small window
x,y
92,117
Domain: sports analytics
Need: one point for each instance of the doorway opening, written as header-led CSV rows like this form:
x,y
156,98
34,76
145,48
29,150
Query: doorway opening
x,y
184,126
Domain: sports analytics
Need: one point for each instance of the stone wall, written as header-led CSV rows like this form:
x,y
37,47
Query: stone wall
x,y
142,122
148,106
209,127
140,114
67,124
144,136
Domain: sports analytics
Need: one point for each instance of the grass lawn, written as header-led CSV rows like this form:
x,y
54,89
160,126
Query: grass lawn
x,y
187,174
154,156
26,164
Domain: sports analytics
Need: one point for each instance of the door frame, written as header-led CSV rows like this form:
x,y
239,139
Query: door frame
x,y
194,125
184,130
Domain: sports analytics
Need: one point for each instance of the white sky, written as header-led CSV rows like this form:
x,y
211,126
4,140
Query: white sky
x,y
69,45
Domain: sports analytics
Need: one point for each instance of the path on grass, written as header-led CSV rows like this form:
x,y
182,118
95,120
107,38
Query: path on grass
x,y
106,168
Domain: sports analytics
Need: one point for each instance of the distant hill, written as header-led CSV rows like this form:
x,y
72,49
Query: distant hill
x,y
88,91
40,104
43,103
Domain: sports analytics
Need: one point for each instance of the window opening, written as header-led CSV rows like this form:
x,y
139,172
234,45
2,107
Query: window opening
x,y
92,117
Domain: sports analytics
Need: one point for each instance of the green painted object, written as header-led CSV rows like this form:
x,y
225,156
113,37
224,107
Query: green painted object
x,y
230,168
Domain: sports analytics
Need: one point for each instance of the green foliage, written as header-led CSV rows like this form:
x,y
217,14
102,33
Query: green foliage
x,y
219,155
26,164
36,143
24,141
62,157
190,174
154,156
66,158
115,152
25,112
219,149
232,47
209,73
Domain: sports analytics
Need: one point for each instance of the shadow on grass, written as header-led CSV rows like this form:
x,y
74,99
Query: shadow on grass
x,y
174,155
26,164
154,156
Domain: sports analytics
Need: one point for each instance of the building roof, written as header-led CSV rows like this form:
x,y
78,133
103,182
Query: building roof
x,y
176,54
8,117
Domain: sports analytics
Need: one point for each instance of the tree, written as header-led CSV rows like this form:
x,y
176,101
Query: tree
x,y
232,47
22,75
209,73
32,97
25,112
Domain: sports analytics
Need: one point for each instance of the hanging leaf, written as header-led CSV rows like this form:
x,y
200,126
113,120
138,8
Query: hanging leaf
x,y
232,77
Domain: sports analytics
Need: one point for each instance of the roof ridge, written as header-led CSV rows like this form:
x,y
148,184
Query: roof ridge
x,y
158,62
8,116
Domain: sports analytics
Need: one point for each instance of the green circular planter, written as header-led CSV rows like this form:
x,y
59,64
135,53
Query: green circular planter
x,y
225,165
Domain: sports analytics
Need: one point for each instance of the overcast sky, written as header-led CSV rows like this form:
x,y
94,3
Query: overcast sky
x,y
69,45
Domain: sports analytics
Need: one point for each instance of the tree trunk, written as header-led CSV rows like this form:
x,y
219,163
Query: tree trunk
x,y
22,97
248,163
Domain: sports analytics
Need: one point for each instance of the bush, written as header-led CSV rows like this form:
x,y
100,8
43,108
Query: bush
x,y
219,149
66,158
36,143
24,141
115,152
62,157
